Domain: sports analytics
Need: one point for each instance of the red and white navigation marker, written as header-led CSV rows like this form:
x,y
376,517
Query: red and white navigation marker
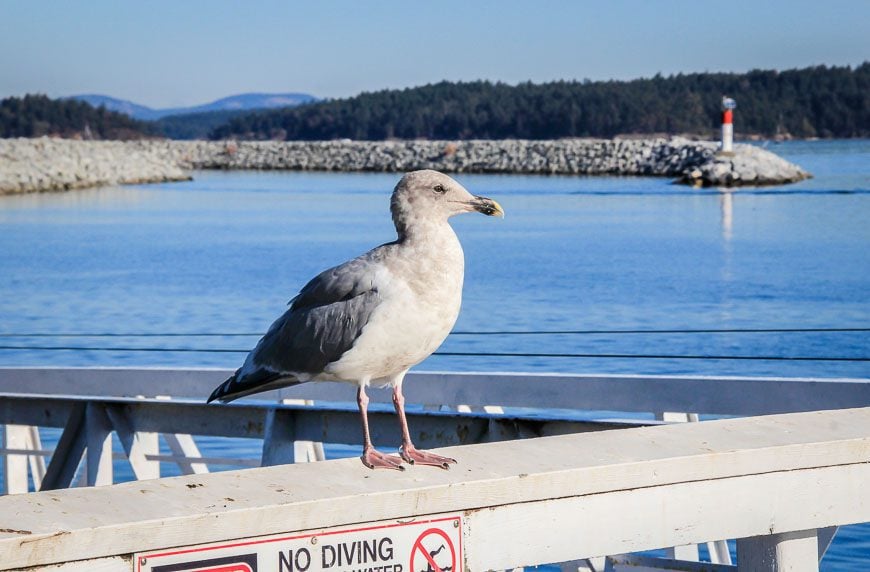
x,y
728,106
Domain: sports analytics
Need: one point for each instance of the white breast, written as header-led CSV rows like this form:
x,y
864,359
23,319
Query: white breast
x,y
421,293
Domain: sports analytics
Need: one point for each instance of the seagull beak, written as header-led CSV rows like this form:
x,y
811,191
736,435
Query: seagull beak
x,y
487,206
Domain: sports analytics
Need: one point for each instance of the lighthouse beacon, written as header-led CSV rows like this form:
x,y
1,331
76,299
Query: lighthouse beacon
x,y
728,106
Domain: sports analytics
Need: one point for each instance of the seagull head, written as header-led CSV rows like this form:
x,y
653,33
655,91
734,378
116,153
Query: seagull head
x,y
432,195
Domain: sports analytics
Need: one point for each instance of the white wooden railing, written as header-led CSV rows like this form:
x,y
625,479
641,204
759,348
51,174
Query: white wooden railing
x,y
141,405
771,482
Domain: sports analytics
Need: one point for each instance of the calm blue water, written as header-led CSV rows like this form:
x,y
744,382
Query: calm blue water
x,y
225,252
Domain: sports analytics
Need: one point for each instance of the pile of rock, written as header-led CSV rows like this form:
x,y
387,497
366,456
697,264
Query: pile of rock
x,y
747,165
35,165
652,157
28,165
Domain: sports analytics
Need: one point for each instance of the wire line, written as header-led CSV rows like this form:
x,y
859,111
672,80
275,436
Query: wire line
x,y
456,333
467,354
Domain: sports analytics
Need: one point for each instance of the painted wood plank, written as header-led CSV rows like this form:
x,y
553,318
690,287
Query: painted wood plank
x,y
113,564
571,491
334,424
698,394
15,465
98,435
37,461
681,513
22,450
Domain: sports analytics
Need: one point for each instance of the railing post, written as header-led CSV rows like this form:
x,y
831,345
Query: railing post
x,y
67,454
792,551
138,445
279,438
99,446
15,464
303,451
687,552
185,449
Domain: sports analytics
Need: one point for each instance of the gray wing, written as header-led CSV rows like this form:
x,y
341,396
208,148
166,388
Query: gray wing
x,y
322,323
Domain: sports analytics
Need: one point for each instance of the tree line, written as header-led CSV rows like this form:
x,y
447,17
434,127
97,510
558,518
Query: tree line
x,y
38,115
817,101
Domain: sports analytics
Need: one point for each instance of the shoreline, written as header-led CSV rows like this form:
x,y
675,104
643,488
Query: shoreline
x,y
44,164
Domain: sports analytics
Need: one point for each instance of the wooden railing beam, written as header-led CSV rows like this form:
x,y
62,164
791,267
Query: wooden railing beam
x,y
521,502
631,393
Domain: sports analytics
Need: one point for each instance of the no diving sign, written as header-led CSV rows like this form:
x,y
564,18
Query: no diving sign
x,y
427,545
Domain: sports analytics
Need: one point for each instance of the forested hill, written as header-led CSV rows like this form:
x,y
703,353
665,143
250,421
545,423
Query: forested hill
x,y
812,102
38,115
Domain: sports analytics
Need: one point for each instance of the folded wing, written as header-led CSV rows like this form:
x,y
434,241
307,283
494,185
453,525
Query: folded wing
x,y
322,323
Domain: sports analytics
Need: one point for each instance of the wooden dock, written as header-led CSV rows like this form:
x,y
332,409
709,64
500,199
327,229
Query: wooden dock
x,y
528,489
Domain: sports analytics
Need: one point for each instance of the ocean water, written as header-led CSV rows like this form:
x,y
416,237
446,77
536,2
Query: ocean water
x,y
225,252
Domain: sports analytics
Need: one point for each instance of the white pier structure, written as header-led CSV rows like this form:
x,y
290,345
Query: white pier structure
x,y
531,487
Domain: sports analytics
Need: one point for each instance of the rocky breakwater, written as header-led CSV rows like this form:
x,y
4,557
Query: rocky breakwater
x,y
28,165
747,165
691,162
35,165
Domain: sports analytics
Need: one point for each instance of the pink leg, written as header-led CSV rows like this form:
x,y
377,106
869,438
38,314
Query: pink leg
x,y
371,457
408,451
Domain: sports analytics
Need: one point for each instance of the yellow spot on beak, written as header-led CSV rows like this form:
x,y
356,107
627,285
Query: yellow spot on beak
x,y
498,210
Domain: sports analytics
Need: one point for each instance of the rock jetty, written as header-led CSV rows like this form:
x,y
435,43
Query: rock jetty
x,y
30,165
45,164
747,165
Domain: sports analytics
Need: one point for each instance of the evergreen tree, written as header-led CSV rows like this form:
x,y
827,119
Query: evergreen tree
x,y
38,115
812,102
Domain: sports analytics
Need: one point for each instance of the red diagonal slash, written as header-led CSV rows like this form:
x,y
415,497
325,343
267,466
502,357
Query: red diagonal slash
x,y
426,555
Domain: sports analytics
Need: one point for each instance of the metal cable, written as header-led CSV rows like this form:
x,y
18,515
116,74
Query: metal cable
x,y
456,333
467,354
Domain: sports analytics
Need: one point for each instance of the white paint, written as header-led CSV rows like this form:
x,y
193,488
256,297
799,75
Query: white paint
x,y
99,446
698,394
553,499
687,552
185,450
15,464
308,451
140,446
117,564
728,137
738,394
681,513
719,553
37,462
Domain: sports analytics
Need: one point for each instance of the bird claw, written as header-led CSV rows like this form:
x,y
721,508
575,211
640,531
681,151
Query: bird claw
x,y
374,459
414,456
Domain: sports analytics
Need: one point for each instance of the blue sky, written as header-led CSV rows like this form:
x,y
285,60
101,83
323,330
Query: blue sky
x,y
182,52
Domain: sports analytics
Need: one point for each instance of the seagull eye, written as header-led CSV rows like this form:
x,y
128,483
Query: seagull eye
x,y
439,189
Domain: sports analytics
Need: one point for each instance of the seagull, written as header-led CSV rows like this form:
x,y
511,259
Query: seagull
x,y
371,319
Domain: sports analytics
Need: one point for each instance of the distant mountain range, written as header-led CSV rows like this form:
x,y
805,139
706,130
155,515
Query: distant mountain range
x,y
241,102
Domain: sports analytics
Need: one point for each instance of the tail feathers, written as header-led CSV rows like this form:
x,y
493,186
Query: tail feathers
x,y
239,386
224,390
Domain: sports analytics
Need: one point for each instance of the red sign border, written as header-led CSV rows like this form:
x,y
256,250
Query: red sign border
x,y
457,518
